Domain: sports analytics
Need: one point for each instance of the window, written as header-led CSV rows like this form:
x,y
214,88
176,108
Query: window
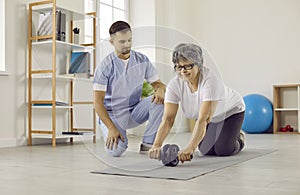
x,y
109,12
89,7
2,38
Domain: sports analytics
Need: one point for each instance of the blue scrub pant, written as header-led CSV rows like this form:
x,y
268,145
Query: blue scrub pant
x,y
143,111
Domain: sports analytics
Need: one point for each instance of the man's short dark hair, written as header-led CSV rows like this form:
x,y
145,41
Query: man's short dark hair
x,y
119,26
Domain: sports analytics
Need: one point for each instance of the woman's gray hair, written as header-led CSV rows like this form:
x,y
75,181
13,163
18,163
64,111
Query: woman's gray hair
x,y
188,52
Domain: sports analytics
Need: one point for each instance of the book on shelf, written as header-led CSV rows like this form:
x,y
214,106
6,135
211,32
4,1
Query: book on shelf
x,y
76,133
57,103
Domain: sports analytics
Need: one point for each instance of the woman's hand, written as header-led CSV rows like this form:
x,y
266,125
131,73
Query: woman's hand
x,y
185,155
154,152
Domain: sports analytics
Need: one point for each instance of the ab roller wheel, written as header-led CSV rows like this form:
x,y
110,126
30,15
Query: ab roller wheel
x,y
168,155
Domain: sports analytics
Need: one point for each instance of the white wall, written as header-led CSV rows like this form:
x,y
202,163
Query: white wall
x,y
152,39
143,23
255,43
12,116
259,40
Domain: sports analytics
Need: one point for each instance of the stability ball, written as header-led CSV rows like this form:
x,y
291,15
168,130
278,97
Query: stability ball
x,y
258,113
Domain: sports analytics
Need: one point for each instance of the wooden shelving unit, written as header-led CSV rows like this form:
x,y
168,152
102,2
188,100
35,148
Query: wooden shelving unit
x,y
286,103
52,80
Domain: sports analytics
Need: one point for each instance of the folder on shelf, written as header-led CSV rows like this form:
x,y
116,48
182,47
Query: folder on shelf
x,y
80,63
45,25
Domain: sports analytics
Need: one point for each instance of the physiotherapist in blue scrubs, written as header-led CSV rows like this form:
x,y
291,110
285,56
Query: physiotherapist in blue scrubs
x,y
117,85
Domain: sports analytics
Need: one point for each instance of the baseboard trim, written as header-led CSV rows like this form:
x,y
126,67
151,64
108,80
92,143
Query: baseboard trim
x,y
7,143
10,143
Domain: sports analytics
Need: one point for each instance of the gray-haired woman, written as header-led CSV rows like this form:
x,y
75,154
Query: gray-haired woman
x,y
218,110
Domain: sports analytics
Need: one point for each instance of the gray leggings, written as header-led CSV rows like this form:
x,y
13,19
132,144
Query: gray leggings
x,y
223,138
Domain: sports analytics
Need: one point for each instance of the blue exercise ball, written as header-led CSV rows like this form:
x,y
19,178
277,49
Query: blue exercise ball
x,y
258,113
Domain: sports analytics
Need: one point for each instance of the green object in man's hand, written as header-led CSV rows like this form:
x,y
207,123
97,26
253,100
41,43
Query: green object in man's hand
x,y
147,90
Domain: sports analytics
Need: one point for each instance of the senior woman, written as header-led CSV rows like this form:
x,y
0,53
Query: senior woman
x,y
202,95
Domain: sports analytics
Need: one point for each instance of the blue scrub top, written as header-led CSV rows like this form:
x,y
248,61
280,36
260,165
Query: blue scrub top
x,y
123,84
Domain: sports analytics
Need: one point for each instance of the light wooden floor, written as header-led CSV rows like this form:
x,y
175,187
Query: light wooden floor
x,y
65,169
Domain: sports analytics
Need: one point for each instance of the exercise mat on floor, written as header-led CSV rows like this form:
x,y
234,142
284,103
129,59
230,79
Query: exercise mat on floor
x,y
141,166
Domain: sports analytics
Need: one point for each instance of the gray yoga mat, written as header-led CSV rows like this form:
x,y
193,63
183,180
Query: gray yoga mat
x,y
137,165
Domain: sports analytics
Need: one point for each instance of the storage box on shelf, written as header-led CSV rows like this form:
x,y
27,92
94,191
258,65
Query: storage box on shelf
x,y
286,103
51,89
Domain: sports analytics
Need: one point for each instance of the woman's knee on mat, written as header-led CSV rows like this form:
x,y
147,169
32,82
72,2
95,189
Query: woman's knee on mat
x,y
224,150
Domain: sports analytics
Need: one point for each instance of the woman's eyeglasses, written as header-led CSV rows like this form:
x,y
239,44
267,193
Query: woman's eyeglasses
x,y
185,67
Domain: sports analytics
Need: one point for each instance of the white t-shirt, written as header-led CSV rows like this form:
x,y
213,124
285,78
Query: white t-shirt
x,y
210,88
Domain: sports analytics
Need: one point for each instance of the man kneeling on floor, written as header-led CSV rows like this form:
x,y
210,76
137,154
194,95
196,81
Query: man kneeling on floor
x,y
117,86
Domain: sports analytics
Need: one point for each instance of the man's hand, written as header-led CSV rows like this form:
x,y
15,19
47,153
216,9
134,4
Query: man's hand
x,y
154,152
159,92
159,96
113,138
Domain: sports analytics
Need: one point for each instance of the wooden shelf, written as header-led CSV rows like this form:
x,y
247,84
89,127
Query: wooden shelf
x,y
61,136
50,107
65,77
61,46
74,15
295,132
286,104
51,62
285,109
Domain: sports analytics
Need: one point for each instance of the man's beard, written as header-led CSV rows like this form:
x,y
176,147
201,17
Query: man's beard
x,y
127,51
